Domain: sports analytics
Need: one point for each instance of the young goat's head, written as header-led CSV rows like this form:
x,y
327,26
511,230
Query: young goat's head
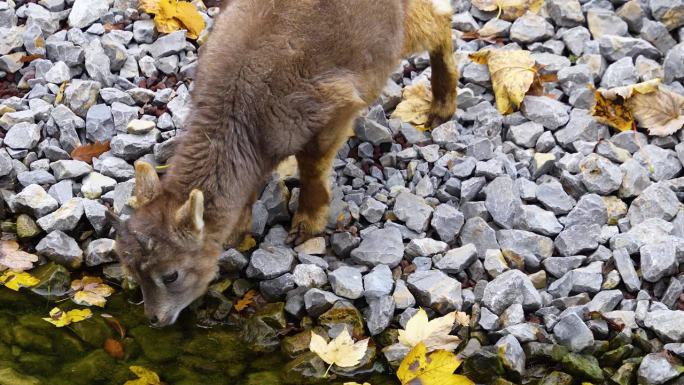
x,y
163,247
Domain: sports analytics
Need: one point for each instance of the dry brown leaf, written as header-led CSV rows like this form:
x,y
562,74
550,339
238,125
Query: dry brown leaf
x,y
627,92
660,112
245,301
512,73
87,152
114,324
60,93
91,291
509,10
30,58
415,105
13,258
612,113
113,348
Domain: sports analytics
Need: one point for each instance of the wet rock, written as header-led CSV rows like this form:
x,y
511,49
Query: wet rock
x,y
511,354
100,251
317,301
583,366
483,366
54,281
61,248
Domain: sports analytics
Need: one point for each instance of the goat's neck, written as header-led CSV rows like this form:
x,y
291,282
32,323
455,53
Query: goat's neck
x,y
221,159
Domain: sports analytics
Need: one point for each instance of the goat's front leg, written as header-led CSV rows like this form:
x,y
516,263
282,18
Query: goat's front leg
x,y
315,164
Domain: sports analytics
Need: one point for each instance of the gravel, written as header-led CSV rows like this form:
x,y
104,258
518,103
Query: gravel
x,y
544,225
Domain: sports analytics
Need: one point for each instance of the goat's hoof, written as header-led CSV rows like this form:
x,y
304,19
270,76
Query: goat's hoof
x,y
298,235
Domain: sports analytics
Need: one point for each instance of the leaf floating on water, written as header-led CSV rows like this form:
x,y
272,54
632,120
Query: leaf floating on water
x,y
512,73
433,334
660,112
341,351
13,258
415,105
91,291
114,348
436,368
245,301
114,324
87,152
15,280
172,15
62,318
145,376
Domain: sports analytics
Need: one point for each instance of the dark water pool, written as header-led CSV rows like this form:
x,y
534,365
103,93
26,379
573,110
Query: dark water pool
x,y
34,352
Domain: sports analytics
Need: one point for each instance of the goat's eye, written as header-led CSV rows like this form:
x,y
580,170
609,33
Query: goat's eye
x,y
170,278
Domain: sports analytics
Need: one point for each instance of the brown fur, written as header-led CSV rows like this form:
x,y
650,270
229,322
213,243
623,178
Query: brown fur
x,y
275,78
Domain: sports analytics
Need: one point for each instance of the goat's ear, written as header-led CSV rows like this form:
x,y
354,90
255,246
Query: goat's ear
x,y
147,183
114,220
189,217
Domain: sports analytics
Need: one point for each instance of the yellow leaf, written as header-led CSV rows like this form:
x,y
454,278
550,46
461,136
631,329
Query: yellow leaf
x,y
15,280
145,376
433,334
341,351
415,105
612,112
509,10
13,258
172,15
247,244
190,18
437,368
512,73
61,318
246,300
660,112
91,291
60,93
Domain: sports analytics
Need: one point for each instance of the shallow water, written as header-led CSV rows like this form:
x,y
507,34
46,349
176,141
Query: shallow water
x,y
34,352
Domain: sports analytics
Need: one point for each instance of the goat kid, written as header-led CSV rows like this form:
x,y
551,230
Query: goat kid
x,y
275,78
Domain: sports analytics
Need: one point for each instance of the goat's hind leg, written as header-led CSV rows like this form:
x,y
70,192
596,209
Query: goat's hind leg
x,y
428,27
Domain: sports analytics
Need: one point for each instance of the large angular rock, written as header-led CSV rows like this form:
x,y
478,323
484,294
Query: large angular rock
x,y
658,260
85,12
61,249
22,136
578,239
434,289
656,368
667,324
572,332
35,201
503,201
548,112
599,175
625,267
383,246
65,218
379,314
270,262
346,282
413,211
447,222
508,288
478,232
615,48
656,201
458,259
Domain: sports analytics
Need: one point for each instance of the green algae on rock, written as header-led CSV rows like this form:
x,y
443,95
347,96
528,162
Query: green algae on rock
x,y
583,366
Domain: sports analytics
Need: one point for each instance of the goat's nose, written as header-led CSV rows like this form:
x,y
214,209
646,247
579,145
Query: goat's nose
x,y
154,320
